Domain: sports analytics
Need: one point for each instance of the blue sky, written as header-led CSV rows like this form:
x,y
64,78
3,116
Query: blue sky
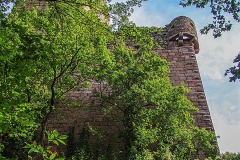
x,y
215,56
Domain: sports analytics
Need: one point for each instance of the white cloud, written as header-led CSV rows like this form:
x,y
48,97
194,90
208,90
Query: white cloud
x,y
229,134
216,55
142,18
223,98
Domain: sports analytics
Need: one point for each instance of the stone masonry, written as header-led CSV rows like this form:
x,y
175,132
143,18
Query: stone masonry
x,y
180,52
179,43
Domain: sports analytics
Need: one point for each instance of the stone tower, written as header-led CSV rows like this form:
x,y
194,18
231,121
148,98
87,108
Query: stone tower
x,y
179,43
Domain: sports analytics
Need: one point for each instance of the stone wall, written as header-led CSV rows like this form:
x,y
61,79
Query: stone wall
x,y
184,68
179,45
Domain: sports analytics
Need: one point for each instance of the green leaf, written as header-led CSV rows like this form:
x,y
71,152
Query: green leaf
x,y
51,137
61,141
52,156
55,133
28,146
62,137
34,143
55,142
33,150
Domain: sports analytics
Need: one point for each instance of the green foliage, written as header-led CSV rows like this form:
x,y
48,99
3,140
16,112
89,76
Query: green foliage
x,y
235,70
41,50
49,152
231,156
47,53
91,145
154,112
13,147
217,158
40,53
71,144
84,150
227,156
219,9
121,11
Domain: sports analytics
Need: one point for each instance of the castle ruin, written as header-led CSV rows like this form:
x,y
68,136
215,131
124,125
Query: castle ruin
x,y
180,45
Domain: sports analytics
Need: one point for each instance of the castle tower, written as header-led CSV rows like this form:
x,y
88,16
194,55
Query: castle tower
x,y
182,29
182,45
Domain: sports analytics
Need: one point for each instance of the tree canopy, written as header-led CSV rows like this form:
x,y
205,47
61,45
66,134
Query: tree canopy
x,y
235,70
219,9
154,111
45,53
40,51
120,11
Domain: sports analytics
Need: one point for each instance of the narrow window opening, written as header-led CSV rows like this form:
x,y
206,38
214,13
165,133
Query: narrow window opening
x,y
186,37
191,24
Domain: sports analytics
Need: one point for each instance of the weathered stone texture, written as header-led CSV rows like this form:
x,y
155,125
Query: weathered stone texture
x,y
28,4
184,68
179,46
